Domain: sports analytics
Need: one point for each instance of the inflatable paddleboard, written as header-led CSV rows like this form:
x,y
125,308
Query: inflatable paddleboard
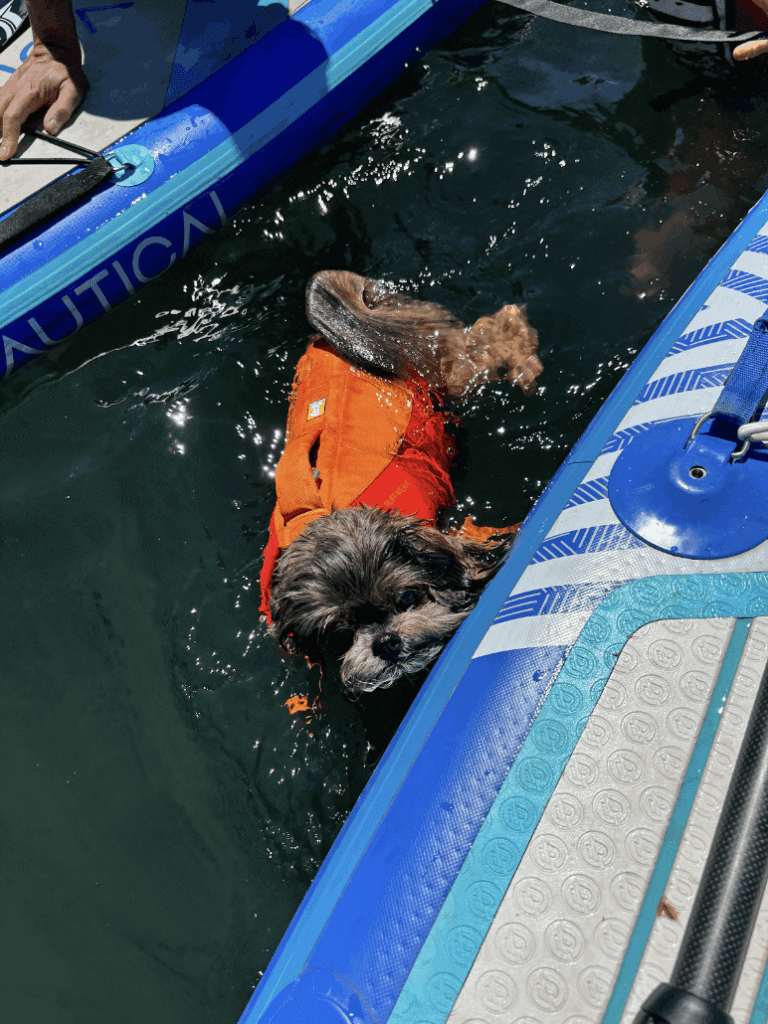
x,y
531,848
192,109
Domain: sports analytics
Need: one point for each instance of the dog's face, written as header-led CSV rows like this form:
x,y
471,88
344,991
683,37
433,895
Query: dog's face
x,y
375,592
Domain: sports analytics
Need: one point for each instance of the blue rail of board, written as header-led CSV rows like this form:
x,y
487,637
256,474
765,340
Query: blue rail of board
x,y
216,147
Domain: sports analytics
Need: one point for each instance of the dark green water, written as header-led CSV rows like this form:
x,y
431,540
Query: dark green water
x,y
161,814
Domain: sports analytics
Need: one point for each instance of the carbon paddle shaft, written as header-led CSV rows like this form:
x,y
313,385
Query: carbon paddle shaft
x,y
714,945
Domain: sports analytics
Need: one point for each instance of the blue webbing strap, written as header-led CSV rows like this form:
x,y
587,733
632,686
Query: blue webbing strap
x,y
748,380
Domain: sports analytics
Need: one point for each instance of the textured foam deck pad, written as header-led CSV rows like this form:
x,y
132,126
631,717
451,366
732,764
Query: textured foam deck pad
x,y
129,51
597,907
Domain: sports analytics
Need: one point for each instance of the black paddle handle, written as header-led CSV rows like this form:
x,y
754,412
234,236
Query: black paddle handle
x,y
54,199
715,943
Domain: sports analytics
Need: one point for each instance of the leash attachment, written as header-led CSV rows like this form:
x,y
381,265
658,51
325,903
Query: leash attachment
x,y
697,487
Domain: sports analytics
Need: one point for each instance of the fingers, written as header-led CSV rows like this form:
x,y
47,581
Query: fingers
x,y
13,118
60,111
41,81
754,48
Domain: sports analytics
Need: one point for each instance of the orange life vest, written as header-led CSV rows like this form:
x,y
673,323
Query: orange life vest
x,y
355,439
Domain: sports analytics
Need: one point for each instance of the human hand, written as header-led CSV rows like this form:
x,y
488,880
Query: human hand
x,y
754,48
50,78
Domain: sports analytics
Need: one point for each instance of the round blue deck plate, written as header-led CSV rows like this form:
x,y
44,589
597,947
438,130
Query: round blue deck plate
x,y
319,997
691,501
142,160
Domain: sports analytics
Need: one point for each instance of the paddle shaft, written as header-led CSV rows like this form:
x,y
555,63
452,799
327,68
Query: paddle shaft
x,y
715,942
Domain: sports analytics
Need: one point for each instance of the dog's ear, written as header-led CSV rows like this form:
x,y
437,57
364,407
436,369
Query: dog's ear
x,y
437,556
281,628
381,331
289,624
290,641
456,570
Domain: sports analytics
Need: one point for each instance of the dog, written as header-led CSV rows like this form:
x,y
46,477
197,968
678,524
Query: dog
x,y
356,573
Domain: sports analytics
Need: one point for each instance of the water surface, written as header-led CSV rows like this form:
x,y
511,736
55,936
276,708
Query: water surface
x,y
162,814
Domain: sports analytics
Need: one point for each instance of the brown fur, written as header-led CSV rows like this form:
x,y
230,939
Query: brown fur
x,y
338,590
388,333
376,593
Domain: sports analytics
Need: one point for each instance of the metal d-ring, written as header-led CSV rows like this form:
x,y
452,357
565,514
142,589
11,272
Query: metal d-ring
x,y
746,433
697,427
749,432
741,452
84,156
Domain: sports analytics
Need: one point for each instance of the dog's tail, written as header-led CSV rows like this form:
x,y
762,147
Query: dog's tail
x,y
392,335
383,332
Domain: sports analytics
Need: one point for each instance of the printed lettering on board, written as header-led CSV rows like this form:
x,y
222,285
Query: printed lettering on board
x,y
119,277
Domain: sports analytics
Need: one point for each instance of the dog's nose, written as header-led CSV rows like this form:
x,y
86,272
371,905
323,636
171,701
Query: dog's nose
x,y
387,646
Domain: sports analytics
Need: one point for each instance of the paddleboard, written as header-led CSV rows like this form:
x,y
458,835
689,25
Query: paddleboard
x,y
531,846
193,108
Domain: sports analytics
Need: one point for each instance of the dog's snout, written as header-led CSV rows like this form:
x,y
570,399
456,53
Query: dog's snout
x,y
387,646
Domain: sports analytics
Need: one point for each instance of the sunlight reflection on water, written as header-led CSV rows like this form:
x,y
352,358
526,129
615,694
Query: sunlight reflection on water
x,y
520,163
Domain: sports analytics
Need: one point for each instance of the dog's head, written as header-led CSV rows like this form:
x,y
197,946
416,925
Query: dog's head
x,y
377,593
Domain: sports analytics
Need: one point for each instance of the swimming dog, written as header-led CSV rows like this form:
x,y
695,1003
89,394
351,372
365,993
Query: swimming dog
x,y
356,571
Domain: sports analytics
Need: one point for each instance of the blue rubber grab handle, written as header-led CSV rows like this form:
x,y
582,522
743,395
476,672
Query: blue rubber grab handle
x,y
748,381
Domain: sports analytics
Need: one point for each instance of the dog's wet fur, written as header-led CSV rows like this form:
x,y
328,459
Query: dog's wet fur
x,y
372,592
378,591
388,334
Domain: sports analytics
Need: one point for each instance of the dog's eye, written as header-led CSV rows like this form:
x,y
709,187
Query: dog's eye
x,y
407,599
340,637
